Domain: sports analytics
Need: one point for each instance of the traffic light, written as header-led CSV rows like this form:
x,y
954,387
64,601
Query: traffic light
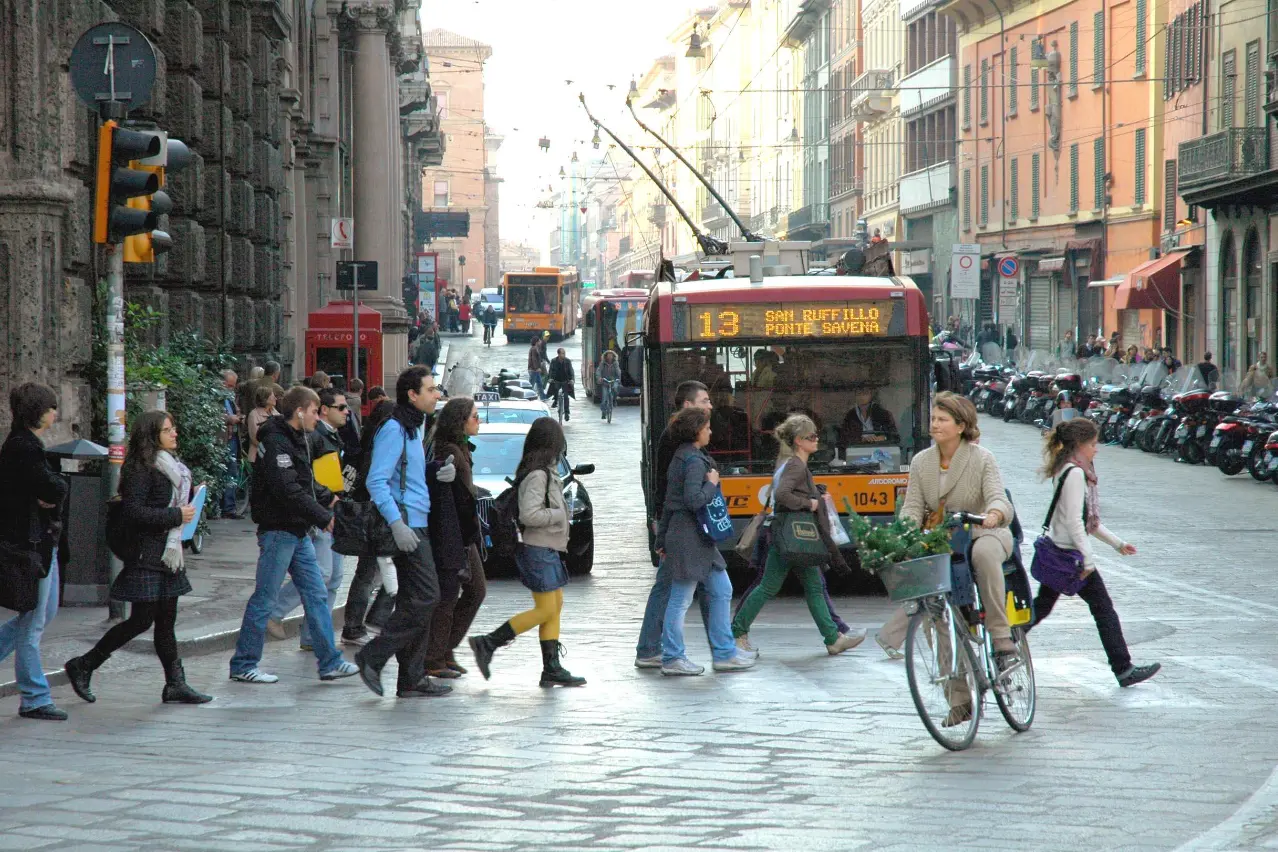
x,y
173,155
113,219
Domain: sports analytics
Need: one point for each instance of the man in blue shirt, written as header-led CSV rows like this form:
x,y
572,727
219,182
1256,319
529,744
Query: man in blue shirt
x,y
397,485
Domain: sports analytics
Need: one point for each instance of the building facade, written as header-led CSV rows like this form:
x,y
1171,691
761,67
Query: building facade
x,y
271,98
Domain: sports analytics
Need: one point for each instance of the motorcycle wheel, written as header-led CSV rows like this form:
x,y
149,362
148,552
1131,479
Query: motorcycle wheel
x,y
1257,468
1229,465
1192,452
1126,436
1009,412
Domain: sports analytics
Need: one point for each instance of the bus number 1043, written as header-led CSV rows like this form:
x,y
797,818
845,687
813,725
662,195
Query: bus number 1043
x,y
872,499
729,324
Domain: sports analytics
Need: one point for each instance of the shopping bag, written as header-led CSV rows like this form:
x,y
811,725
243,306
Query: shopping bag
x,y
838,534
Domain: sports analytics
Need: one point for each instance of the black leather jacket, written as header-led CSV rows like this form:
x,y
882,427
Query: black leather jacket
x,y
285,494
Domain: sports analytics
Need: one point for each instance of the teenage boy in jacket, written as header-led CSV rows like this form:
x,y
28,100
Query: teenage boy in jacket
x,y
286,503
397,485
324,440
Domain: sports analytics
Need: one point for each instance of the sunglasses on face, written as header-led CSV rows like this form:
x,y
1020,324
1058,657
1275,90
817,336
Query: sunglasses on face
x,y
341,407
812,437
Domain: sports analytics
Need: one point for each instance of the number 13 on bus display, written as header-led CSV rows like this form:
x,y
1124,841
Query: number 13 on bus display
x,y
727,323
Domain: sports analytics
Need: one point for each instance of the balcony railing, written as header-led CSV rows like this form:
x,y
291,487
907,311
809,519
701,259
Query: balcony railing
x,y
1233,153
926,188
871,94
812,214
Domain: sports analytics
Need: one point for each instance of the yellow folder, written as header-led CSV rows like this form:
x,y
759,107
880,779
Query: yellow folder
x,y
328,472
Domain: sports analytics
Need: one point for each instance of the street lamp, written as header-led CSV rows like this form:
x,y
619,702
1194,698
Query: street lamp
x,y
695,50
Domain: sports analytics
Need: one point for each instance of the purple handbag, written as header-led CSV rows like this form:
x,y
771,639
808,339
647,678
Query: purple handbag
x,y
1057,567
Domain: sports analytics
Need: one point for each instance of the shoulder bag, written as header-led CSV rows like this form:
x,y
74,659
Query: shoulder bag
x,y
1058,568
358,526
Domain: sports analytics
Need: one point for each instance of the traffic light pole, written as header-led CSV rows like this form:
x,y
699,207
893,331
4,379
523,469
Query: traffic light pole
x,y
115,391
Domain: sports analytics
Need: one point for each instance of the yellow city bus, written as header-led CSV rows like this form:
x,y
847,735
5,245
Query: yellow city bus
x,y
545,299
851,352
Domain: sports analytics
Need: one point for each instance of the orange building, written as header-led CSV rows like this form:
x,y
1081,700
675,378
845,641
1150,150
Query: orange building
x,y
1060,163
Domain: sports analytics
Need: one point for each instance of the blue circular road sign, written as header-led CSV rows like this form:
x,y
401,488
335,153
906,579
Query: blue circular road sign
x,y
1008,267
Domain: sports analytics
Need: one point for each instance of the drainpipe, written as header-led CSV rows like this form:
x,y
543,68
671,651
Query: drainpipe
x,y
1002,49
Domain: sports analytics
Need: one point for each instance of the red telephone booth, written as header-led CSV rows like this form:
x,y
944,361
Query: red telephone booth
x,y
329,336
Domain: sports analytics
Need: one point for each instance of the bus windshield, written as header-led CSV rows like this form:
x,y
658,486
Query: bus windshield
x,y
532,294
868,400
619,318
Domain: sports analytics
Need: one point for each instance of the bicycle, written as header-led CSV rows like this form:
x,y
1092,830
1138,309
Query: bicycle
x,y
489,330
560,399
608,397
939,677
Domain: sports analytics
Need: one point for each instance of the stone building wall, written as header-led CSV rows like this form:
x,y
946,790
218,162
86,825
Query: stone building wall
x,y
254,88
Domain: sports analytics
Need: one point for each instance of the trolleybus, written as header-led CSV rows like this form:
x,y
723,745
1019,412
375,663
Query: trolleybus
x,y
545,299
609,319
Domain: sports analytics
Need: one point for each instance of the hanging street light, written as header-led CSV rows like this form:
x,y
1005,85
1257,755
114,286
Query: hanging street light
x,y
544,144
695,50
562,173
594,142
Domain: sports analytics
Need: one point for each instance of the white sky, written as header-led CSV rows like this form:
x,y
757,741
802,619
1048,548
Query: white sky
x,y
537,45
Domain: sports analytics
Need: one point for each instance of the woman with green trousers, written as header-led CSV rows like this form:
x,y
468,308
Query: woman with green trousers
x,y
794,490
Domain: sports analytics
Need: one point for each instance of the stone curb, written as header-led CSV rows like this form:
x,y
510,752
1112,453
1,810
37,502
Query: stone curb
x,y
190,646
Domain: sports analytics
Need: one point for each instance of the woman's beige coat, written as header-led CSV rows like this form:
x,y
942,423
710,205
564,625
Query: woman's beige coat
x,y
973,484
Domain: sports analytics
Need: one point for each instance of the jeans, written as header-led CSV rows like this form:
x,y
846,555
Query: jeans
x,y
774,573
232,476
654,614
21,634
330,565
1103,613
283,553
718,590
407,633
538,381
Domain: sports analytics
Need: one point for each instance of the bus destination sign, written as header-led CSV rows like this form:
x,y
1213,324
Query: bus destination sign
x,y
790,320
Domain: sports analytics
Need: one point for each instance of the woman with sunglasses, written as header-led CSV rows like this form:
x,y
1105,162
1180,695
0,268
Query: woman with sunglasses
x,y
155,491
794,490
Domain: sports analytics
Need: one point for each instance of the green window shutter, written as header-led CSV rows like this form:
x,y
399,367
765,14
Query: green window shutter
x,y
967,97
1014,189
1098,191
967,199
1033,89
1035,178
1098,49
1073,178
1251,84
985,91
1142,35
1012,90
982,215
1138,183
1169,195
1073,57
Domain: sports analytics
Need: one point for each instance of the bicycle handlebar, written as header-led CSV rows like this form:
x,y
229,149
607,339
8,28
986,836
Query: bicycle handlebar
x,y
958,519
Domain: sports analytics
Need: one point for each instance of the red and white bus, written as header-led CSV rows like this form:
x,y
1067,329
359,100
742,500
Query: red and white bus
x,y
609,319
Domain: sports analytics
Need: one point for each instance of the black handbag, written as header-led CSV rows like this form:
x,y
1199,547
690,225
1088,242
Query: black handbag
x,y
358,526
20,574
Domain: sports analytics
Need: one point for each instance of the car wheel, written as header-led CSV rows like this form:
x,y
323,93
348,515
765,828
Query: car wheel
x,y
582,563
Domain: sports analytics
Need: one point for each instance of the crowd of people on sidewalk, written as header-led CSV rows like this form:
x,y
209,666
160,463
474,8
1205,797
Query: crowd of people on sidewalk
x,y
409,465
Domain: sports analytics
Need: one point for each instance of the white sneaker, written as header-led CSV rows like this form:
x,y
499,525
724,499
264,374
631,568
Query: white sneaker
x,y
343,669
653,662
357,641
738,662
255,676
682,667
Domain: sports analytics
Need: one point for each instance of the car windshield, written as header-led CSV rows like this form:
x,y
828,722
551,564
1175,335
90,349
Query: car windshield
x,y
866,398
494,298
498,454
499,414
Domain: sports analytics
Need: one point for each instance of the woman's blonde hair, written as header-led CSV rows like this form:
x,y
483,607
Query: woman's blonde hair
x,y
794,427
963,412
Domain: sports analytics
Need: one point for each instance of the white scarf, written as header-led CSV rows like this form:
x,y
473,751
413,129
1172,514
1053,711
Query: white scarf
x,y
180,475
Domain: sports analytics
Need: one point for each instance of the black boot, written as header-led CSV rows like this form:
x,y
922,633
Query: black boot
x,y
484,646
79,671
552,673
176,690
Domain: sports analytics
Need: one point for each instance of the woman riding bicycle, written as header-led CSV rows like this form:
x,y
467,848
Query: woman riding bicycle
x,y
957,475
608,375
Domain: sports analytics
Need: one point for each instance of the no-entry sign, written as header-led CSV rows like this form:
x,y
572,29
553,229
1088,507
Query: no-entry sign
x,y
965,271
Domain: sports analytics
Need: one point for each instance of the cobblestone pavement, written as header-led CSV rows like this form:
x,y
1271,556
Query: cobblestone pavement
x,y
805,752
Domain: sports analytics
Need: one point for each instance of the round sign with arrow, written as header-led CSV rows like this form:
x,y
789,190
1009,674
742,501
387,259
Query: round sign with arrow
x,y
113,63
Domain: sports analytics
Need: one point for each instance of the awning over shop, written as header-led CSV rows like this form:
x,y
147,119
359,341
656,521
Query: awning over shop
x,y
1106,282
1051,264
1155,284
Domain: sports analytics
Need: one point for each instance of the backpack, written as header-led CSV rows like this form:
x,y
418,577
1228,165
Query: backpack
x,y
502,525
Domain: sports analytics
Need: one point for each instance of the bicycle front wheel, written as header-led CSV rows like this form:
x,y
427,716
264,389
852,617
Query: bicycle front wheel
x,y
943,681
1014,689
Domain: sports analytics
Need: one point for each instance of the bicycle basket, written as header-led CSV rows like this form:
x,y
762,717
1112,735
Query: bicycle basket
x,y
917,578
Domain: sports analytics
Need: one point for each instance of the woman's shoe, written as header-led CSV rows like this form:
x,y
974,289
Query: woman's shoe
x,y
893,653
484,646
1137,674
845,642
79,672
552,673
743,643
176,690
958,715
456,666
444,672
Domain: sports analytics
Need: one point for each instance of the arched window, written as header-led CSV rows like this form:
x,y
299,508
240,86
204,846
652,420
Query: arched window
x,y
1228,302
1253,281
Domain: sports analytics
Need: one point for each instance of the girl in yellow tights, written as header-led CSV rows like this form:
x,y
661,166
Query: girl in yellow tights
x,y
543,519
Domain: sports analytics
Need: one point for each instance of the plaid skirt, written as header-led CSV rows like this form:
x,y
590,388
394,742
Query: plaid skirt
x,y
138,585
